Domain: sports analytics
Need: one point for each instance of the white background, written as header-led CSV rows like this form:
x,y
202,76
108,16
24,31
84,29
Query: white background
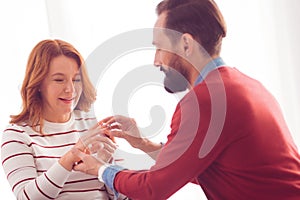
x,y
263,42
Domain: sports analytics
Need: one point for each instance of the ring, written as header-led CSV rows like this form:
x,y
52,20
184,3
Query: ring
x,y
101,146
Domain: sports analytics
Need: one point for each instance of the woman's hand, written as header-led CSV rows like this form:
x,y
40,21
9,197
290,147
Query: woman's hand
x,y
94,142
89,164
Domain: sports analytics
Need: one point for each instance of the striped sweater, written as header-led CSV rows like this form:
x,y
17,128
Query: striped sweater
x,y
30,161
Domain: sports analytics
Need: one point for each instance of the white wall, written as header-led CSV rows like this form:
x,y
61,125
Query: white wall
x,y
23,24
262,41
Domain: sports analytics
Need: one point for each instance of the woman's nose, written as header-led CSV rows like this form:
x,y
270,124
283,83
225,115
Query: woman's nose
x,y
69,87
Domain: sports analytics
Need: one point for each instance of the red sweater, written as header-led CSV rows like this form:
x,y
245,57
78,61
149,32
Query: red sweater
x,y
229,134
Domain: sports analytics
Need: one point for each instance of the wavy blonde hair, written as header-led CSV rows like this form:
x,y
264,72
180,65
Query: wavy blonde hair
x,y
36,71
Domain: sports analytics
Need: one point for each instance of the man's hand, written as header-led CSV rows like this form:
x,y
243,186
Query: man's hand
x,y
126,128
123,127
88,164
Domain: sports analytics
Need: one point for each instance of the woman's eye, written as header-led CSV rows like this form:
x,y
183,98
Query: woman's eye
x,y
77,80
58,80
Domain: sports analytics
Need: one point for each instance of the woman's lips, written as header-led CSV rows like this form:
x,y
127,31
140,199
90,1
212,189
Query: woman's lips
x,y
67,100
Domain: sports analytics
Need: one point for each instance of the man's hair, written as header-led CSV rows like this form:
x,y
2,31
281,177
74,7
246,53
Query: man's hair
x,y
200,18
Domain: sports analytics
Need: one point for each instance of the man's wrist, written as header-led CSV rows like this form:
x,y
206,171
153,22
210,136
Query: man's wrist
x,y
107,173
100,172
149,146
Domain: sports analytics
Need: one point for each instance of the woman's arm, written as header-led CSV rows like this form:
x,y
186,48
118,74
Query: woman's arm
x,y
18,161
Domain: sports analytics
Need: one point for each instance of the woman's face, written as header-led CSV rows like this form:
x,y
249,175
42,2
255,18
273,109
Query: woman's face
x,y
61,89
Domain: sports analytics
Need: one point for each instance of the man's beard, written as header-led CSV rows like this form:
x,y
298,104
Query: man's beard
x,y
176,79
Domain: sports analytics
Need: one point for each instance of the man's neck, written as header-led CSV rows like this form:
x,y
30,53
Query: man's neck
x,y
199,66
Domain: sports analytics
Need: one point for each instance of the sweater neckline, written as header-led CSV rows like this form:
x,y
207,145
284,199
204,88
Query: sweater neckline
x,y
59,126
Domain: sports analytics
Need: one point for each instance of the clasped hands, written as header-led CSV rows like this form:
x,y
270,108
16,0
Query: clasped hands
x,y
97,147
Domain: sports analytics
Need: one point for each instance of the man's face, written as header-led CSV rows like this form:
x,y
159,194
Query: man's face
x,y
176,75
170,62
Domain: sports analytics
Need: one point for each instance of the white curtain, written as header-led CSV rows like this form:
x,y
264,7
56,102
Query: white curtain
x,y
262,41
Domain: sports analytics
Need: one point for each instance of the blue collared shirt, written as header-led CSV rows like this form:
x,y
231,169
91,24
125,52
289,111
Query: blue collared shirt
x,y
212,65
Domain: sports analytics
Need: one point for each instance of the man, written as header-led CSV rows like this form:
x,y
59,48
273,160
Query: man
x,y
227,133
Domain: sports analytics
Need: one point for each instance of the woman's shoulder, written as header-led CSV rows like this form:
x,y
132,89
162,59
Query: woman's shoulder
x,y
17,128
16,132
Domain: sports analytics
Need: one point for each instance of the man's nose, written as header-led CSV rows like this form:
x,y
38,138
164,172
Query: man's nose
x,y
157,60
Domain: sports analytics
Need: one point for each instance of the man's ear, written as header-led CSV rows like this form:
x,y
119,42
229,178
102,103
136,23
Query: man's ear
x,y
187,42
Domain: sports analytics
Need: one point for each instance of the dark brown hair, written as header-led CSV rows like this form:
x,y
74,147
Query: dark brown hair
x,y
200,18
36,71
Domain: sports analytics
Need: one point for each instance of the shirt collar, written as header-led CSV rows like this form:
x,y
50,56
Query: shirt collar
x,y
214,64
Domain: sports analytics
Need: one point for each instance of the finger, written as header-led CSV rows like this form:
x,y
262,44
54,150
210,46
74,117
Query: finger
x,y
93,131
95,125
116,126
109,148
105,120
108,135
104,139
95,147
99,147
104,131
88,138
80,167
114,120
116,133
85,141
104,156
89,165
78,153
100,143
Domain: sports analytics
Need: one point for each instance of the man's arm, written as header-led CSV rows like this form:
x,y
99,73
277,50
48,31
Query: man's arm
x,y
149,147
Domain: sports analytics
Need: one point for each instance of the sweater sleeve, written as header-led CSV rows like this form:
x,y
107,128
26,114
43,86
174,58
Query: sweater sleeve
x,y
19,167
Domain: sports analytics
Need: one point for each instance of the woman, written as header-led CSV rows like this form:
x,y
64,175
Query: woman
x,y
36,147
